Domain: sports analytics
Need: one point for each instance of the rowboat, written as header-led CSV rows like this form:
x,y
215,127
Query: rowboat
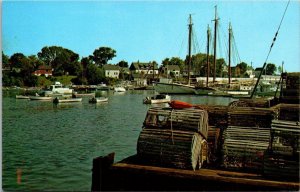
x,y
22,97
40,98
98,100
67,100
161,98
176,104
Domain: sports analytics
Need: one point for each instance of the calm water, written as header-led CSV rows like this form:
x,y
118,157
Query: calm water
x,y
51,147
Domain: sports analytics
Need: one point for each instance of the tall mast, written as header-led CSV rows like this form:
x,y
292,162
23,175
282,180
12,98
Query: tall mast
x,y
207,56
190,48
215,43
229,54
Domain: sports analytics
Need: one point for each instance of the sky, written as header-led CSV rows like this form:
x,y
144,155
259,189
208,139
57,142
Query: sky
x,y
154,30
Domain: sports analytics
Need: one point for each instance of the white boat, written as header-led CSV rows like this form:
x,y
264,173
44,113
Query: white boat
x,y
161,98
66,100
98,100
40,98
58,88
119,89
22,97
102,86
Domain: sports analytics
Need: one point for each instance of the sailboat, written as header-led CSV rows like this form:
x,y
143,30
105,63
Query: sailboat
x,y
170,87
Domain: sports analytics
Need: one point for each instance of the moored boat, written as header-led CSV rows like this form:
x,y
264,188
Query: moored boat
x,y
119,89
40,98
98,100
161,98
57,88
67,100
22,97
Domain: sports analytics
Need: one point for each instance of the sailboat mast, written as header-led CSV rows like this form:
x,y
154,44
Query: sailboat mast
x,y
190,48
229,55
215,43
207,56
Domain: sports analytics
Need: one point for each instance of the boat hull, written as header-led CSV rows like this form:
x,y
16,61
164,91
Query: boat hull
x,y
174,88
22,97
40,98
119,89
98,100
70,100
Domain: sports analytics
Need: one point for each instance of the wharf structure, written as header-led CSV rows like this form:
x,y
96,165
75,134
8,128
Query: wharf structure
x,y
251,144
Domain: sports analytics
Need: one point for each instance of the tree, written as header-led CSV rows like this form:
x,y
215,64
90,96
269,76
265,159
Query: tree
x,y
64,61
271,69
123,64
16,60
95,75
102,55
5,61
241,69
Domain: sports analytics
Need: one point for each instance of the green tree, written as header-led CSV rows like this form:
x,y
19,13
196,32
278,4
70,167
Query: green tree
x,y
64,61
5,61
271,69
95,74
102,55
16,60
241,69
123,64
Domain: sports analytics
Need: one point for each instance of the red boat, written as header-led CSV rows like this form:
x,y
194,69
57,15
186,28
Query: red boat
x,y
176,104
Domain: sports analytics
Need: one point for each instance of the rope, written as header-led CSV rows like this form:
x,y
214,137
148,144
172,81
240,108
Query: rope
x,y
172,127
274,39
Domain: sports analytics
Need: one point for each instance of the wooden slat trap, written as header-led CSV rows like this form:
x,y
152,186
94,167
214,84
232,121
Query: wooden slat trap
x,y
180,149
174,138
244,147
251,117
283,154
194,120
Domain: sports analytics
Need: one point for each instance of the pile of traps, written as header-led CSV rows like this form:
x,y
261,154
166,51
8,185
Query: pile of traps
x,y
174,138
283,154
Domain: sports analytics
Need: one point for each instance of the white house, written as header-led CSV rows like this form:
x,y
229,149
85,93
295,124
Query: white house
x,y
112,71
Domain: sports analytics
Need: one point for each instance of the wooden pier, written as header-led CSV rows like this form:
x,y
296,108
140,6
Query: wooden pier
x,y
130,175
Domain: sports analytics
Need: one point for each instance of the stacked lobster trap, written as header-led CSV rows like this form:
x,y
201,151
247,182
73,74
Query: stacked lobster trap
x,y
247,138
174,138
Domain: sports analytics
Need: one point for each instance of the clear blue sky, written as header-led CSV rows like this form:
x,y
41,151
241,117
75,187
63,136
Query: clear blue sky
x,y
152,30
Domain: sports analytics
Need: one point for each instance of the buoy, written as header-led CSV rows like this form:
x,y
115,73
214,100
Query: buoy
x,y
176,104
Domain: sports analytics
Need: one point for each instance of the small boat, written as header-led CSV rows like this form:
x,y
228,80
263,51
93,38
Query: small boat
x,y
40,98
98,100
57,88
66,100
161,98
176,104
22,97
119,89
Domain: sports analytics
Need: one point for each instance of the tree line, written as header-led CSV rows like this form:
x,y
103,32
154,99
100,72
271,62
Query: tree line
x,y
89,70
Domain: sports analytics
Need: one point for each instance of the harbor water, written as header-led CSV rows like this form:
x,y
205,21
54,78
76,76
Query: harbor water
x,y
51,147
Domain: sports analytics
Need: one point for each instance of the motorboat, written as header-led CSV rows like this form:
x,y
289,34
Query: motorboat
x,y
119,89
161,98
98,100
57,88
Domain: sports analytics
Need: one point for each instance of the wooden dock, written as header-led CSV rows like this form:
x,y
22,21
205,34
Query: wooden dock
x,y
129,175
